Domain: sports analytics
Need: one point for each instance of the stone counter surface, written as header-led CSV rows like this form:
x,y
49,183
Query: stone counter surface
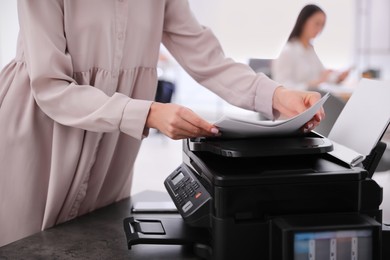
x,y
97,235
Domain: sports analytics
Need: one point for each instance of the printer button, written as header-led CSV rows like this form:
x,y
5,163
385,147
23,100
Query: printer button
x,y
187,206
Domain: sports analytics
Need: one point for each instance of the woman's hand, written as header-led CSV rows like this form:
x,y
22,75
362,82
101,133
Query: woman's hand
x,y
178,122
343,75
289,103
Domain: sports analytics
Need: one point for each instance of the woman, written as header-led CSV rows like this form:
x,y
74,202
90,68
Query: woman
x,y
76,102
298,65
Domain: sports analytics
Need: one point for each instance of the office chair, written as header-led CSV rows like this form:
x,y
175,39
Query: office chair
x,y
261,65
165,90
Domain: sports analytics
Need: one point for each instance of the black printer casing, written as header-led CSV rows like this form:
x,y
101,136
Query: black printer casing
x,y
249,193
254,199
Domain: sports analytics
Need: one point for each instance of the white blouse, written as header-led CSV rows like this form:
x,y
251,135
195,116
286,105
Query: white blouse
x,y
297,65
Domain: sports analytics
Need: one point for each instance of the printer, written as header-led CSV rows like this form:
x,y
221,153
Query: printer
x,y
270,198
281,197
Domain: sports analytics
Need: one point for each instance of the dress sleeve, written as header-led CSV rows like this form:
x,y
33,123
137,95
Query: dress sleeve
x,y
198,51
55,91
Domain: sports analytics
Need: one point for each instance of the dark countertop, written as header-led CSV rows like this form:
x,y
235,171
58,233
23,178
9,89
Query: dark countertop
x,y
97,235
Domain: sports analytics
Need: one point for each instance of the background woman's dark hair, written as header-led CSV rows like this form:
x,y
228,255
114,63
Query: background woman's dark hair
x,y
305,14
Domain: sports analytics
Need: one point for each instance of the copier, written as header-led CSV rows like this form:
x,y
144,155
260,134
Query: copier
x,y
270,198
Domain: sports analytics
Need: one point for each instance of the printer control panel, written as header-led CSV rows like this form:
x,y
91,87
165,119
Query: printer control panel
x,y
189,195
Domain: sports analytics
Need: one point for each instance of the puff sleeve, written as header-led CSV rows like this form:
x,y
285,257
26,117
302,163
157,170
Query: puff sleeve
x,y
199,52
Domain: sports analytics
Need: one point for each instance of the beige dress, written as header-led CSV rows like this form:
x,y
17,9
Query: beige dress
x,y
74,101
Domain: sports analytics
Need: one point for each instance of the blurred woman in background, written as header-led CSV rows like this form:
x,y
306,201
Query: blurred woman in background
x,y
298,65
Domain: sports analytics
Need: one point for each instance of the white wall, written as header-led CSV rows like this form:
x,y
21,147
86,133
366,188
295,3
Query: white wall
x,y
246,28
373,36
259,28
9,28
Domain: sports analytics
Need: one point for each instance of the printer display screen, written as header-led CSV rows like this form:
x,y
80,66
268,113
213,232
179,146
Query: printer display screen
x,y
177,178
338,244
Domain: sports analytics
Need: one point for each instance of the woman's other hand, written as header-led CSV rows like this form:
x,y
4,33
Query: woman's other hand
x,y
290,103
178,122
343,75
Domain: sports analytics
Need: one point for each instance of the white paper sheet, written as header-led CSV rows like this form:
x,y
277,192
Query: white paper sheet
x,y
364,118
232,127
362,122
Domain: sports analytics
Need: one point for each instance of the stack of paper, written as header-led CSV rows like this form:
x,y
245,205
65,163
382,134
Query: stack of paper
x,y
355,133
233,127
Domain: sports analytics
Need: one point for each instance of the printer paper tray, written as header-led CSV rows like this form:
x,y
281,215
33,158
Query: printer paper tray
x,y
158,230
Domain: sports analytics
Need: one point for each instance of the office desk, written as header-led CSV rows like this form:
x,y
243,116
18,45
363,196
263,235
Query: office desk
x,y
97,235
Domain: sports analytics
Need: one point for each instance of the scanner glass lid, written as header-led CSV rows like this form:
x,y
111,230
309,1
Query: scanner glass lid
x,y
266,168
259,147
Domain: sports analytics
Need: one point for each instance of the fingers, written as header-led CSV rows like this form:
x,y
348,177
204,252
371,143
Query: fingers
x,y
314,97
178,122
195,121
321,112
311,125
291,103
315,121
194,126
299,101
320,115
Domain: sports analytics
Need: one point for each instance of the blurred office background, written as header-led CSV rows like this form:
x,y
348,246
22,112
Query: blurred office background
x,y
356,35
